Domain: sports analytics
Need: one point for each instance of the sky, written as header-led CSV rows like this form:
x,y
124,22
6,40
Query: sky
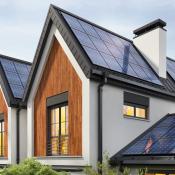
x,y
21,21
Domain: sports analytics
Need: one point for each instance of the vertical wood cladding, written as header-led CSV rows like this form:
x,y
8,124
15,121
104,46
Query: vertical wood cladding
x,y
59,76
4,110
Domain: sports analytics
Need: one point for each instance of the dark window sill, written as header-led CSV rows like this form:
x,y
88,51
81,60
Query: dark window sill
x,y
136,118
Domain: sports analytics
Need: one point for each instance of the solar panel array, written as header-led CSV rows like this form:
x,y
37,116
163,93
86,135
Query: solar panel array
x,y
159,140
171,67
110,51
17,74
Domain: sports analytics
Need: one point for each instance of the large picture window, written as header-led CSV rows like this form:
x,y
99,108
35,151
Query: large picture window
x,y
58,125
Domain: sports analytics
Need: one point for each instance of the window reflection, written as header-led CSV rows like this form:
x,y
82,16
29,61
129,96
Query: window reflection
x,y
1,138
58,142
140,112
128,110
132,110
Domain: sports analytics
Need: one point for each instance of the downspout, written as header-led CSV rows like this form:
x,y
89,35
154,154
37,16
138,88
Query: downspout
x,y
100,119
18,135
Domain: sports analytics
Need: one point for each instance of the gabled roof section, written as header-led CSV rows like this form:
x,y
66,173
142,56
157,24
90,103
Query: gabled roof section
x,y
13,74
157,141
110,51
100,51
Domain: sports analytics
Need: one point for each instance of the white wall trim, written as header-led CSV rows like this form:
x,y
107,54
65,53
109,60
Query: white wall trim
x,y
85,100
30,103
11,135
11,152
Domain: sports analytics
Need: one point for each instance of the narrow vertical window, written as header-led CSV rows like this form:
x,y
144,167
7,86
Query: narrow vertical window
x,y
1,138
58,140
58,125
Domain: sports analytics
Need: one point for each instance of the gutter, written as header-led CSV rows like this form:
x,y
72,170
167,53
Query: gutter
x,y
100,118
18,135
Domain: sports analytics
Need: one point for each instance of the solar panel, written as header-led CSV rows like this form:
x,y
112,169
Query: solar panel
x,y
110,51
171,67
18,91
158,140
17,74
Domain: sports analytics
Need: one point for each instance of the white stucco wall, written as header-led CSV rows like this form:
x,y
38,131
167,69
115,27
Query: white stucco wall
x,y
23,134
117,130
11,135
153,46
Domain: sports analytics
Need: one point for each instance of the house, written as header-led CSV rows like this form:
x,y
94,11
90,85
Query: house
x,y
91,90
13,119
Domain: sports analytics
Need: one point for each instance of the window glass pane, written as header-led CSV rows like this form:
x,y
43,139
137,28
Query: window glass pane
x,y
140,112
54,146
55,130
63,114
128,110
58,143
57,115
1,138
64,145
67,113
52,116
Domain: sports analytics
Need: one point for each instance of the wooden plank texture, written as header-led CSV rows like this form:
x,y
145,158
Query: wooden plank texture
x,y
58,76
4,110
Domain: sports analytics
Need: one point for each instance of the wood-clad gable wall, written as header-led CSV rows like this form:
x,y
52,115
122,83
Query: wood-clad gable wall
x,y
58,76
4,110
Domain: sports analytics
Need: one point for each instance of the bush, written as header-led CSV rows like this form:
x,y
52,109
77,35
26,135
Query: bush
x,y
30,167
106,169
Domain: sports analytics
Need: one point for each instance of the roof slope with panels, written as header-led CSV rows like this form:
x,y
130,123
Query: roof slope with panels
x,y
99,51
14,76
171,67
156,141
110,51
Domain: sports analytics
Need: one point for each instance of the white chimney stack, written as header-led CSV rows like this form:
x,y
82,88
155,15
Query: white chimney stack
x,y
151,41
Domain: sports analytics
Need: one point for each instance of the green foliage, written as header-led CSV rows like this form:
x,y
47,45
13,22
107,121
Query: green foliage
x,y
106,169
126,171
142,171
30,167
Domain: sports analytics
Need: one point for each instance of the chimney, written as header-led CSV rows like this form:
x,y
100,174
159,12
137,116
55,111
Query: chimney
x,y
151,41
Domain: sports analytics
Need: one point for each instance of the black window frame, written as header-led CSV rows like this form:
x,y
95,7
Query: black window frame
x,y
2,125
57,101
136,101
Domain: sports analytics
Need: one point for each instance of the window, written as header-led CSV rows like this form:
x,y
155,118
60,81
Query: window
x,y
135,106
58,129
1,135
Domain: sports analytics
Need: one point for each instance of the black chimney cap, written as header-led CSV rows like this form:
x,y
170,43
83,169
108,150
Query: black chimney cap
x,y
157,23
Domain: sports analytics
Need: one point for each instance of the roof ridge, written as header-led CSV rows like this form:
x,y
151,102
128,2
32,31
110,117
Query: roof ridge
x,y
15,59
90,22
170,59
